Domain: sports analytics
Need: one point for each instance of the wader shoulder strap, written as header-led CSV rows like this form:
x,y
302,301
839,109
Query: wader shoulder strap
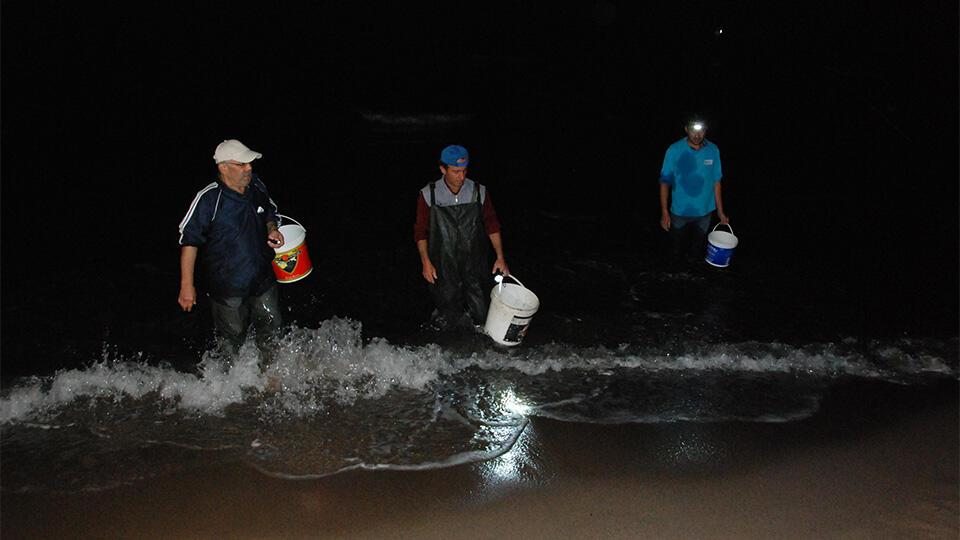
x,y
432,195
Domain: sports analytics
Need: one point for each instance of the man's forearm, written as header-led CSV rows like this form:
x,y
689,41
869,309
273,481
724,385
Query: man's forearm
x,y
718,197
664,197
422,248
188,261
497,243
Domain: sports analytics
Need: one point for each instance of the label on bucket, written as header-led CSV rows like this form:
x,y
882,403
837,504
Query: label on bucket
x,y
517,330
292,265
287,261
718,256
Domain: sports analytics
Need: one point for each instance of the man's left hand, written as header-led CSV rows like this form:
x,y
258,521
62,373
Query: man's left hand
x,y
723,218
500,265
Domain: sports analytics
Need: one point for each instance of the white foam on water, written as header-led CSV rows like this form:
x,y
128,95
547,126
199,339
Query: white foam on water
x,y
334,357
335,352
210,391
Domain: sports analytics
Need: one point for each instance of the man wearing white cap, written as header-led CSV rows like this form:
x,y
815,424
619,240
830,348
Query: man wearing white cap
x,y
234,220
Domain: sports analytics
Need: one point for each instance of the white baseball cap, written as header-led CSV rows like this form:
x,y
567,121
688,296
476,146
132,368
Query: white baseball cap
x,y
234,150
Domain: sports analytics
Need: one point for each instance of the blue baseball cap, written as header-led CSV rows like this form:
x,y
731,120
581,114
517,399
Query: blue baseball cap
x,y
455,156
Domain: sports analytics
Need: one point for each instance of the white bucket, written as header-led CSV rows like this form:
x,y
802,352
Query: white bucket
x,y
720,246
511,309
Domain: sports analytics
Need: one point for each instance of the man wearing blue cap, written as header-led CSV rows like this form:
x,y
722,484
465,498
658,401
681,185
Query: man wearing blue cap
x,y
690,190
454,216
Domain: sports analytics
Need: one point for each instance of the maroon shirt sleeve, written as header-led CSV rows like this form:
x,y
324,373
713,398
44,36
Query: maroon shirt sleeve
x,y
490,222
421,227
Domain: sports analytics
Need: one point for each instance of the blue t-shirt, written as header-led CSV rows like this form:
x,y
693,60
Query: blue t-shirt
x,y
691,175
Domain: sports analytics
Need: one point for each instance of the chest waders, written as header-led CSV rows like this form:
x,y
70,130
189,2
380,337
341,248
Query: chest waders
x,y
458,252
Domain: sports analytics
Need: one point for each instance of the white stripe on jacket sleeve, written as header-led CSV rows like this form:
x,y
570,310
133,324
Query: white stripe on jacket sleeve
x,y
193,207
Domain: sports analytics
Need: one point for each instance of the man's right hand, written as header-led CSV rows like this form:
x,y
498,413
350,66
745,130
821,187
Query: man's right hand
x,y
429,272
188,297
665,221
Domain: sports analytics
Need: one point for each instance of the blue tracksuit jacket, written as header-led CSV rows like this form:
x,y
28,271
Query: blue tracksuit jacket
x,y
230,230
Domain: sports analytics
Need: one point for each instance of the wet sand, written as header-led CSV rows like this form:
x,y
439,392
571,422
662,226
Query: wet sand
x,y
870,465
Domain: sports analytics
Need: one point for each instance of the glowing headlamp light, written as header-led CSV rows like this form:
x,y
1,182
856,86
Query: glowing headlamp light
x,y
697,126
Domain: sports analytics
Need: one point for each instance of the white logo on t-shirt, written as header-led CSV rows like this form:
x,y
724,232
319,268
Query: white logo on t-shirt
x,y
708,162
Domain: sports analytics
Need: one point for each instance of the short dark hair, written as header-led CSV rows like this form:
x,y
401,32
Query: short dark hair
x,y
694,119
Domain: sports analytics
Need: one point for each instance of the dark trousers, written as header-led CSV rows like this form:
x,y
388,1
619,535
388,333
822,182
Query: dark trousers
x,y
454,295
232,318
688,237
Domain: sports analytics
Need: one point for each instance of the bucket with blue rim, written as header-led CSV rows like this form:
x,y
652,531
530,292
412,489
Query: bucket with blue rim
x,y
720,246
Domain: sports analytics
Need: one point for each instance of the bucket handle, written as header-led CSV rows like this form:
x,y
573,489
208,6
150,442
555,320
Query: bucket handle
x,y
719,224
511,276
282,217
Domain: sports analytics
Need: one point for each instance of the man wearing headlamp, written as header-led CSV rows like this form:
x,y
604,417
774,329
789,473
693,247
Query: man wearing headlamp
x,y
690,190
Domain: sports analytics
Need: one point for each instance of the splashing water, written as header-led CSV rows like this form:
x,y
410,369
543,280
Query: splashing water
x,y
329,402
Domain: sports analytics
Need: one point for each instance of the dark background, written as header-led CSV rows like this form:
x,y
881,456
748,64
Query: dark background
x,y
837,126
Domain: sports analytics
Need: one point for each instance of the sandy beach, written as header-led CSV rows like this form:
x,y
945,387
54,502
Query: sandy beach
x,y
883,467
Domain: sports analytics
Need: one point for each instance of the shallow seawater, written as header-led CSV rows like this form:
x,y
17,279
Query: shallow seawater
x,y
332,401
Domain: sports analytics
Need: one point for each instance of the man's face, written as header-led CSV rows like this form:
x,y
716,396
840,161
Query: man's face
x,y
454,176
694,135
236,174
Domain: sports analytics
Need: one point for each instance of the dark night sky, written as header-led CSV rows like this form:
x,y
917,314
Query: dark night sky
x,y
202,69
110,111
